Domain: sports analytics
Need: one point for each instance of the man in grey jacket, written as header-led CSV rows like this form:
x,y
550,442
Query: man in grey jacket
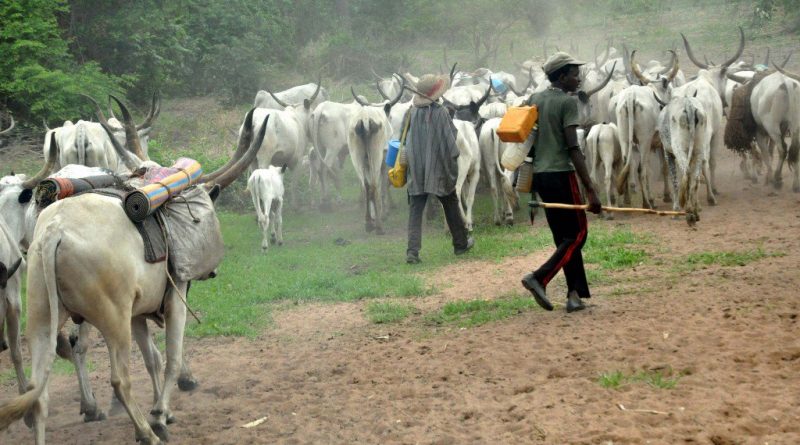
x,y
432,169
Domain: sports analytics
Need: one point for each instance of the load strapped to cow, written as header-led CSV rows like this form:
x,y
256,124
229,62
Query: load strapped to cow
x,y
740,131
174,218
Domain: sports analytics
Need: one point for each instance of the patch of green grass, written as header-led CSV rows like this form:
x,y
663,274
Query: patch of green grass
x,y
60,367
660,379
727,259
614,248
477,312
386,312
612,380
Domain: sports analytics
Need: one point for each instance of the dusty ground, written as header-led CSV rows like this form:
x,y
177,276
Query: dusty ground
x,y
323,374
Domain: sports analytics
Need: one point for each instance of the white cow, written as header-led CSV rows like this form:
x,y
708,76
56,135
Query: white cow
x,y
603,150
294,95
637,112
69,276
11,267
503,194
369,131
266,189
775,103
328,129
686,137
469,168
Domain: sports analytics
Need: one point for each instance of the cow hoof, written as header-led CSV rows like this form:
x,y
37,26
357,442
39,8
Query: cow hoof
x,y
161,431
369,227
187,384
95,415
280,243
667,199
712,201
796,188
272,238
171,419
777,185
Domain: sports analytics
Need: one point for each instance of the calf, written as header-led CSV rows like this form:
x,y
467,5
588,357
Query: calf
x,y
503,193
603,149
469,168
266,188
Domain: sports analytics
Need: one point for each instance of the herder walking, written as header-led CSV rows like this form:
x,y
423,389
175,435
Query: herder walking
x,y
432,165
557,159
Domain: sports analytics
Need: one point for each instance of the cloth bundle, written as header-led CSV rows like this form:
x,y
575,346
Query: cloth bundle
x,y
741,128
52,189
161,184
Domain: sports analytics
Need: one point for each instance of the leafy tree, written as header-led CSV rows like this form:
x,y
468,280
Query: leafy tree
x,y
39,79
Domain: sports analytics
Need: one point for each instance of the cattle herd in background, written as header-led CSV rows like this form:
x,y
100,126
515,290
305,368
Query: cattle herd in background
x,y
629,112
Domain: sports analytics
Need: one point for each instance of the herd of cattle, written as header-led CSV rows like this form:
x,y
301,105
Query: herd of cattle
x,y
95,274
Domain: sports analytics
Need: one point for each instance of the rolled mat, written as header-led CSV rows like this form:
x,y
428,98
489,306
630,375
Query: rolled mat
x,y
162,184
52,189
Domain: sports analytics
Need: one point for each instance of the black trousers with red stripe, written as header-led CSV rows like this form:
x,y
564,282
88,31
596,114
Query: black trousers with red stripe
x,y
569,230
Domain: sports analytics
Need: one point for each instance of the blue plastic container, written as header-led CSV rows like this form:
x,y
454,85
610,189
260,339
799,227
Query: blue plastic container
x,y
498,85
391,152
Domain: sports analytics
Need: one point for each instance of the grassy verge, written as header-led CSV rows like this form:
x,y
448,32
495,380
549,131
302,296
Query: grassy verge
x,y
387,312
655,379
701,260
473,313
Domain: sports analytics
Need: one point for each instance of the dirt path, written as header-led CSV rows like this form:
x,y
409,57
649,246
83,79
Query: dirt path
x,y
323,374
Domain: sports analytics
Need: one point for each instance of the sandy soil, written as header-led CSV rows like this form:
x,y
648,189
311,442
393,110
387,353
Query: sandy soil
x,y
324,374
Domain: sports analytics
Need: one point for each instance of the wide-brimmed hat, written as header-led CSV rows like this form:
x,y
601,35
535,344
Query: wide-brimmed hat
x,y
430,88
560,60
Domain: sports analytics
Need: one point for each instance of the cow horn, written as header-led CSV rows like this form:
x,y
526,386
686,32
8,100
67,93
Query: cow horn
x,y
380,90
131,135
739,52
280,102
9,128
785,61
124,154
453,72
675,66
787,73
316,92
226,178
355,96
155,110
241,148
399,95
691,54
672,61
530,83
373,72
44,123
603,84
737,78
52,154
485,95
766,59
662,103
636,71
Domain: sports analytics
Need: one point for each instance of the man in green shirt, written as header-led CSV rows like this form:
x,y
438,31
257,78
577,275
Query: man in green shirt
x,y
557,158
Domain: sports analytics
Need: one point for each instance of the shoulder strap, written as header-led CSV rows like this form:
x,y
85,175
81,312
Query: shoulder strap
x,y
405,127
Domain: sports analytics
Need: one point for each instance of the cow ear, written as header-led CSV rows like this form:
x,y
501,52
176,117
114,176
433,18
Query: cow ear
x,y
387,108
583,97
473,108
307,104
283,168
25,196
214,192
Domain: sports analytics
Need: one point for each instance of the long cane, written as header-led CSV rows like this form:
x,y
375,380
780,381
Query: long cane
x,y
552,205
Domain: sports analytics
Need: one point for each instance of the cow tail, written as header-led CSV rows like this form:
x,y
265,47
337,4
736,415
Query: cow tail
x,y
690,163
19,406
622,179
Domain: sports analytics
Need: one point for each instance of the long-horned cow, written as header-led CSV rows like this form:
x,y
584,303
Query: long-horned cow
x,y
368,133
69,276
294,95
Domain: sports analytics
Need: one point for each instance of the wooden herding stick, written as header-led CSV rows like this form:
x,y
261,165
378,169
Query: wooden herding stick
x,y
549,205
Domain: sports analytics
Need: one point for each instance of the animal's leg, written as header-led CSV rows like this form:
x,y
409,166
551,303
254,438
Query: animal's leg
x,y
175,325
794,163
12,319
778,140
265,232
3,309
711,197
278,218
118,339
150,354
666,196
673,180
644,180
608,185
763,141
80,346
377,194
472,185
369,225
716,146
